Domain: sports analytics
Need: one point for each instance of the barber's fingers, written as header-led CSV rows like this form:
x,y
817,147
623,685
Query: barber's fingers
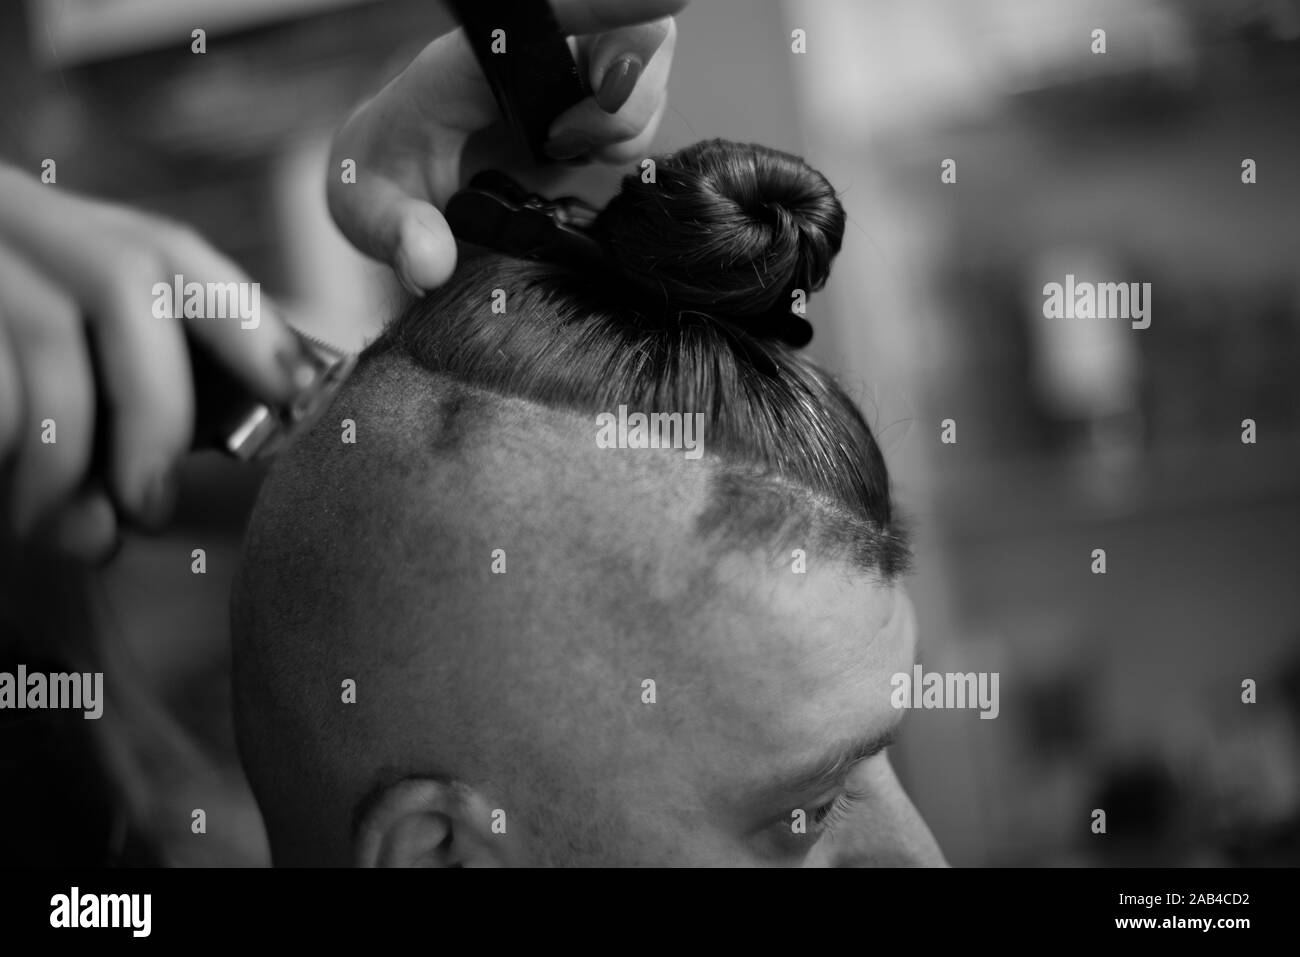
x,y
425,250
251,340
86,527
408,141
403,230
120,268
597,16
444,84
91,249
144,377
45,344
638,147
616,60
587,126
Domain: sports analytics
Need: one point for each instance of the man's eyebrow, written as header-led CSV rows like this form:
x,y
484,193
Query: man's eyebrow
x,y
832,767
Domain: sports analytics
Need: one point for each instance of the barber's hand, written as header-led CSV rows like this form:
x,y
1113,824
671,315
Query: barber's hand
x,y
82,350
408,142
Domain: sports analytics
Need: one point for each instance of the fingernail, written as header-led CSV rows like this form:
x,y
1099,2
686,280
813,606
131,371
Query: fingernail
x,y
568,144
618,84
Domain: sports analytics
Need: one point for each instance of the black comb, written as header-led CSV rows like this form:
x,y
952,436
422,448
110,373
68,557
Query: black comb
x,y
536,78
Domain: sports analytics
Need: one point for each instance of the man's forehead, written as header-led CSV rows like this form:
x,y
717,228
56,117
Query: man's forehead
x,y
795,664
807,617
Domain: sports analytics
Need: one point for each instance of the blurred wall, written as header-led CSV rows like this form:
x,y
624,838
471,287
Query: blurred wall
x,y
1118,691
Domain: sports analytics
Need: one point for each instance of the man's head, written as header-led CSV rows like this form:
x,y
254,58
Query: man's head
x,y
565,653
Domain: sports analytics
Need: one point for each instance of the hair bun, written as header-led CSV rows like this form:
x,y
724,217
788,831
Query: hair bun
x,y
727,229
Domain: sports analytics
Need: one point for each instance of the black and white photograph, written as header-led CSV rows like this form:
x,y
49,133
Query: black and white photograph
x,y
646,434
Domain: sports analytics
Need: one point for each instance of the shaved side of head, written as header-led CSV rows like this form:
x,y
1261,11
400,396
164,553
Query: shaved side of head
x,y
614,647
374,562
618,654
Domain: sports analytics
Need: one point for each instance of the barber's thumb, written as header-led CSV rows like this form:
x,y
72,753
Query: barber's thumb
x,y
424,252
619,57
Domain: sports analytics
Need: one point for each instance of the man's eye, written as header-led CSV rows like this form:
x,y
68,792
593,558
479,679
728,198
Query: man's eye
x,y
825,816
794,834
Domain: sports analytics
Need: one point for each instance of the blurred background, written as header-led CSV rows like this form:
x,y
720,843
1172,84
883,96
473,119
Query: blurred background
x,y
1120,691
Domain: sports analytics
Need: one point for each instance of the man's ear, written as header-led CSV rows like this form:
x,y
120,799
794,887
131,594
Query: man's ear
x,y
424,822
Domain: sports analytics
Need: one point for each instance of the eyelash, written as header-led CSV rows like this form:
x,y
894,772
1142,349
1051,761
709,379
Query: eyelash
x,y
827,816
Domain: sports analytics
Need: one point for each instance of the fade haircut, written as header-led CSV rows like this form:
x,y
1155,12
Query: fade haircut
x,y
727,233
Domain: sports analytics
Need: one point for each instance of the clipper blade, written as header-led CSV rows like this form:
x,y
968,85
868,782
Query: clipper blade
x,y
262,432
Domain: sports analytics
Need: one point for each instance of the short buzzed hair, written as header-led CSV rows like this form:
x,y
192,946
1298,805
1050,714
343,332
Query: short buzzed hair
x,y
373,563
465,418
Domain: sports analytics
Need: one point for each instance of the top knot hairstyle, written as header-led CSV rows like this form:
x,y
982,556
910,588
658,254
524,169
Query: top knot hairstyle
x,y
704,262
726,230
